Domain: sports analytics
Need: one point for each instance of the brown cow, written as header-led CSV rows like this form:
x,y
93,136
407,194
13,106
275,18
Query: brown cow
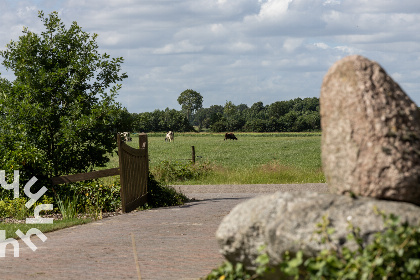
x,y
230,136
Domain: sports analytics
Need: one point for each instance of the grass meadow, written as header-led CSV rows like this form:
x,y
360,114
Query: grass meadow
x,y
255,158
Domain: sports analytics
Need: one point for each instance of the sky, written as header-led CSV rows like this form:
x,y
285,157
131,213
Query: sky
x,y
243,51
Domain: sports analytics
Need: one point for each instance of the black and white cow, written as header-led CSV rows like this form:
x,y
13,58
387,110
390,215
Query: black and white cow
x,y
169,136
125,136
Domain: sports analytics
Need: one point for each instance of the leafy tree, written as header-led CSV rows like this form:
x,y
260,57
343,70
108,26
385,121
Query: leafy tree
x,y
256,108
219,126
278,109
159,121
142,122
190,101
242,107
206,117
200,117
256,125
124,120
229,111
176,121
58,103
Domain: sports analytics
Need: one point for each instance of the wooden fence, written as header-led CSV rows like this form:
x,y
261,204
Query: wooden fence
x,y
133,170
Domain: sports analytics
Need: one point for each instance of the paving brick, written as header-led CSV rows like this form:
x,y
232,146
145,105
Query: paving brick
x,y
172,243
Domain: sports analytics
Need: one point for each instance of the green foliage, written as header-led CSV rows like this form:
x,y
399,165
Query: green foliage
x,y
282,116
219,126
58,104
393,254
92,196
229,271
22,156
15,208
190,101
294,115
170,172
68,207
162,195
158,120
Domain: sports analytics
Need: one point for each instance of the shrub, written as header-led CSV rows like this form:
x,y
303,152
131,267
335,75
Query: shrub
x,y
15,208
168,171
162,195
91,194
95,198
393,254
28,160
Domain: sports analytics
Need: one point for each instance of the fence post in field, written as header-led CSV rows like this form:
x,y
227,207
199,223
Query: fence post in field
x,y
144,145
134,173
193,154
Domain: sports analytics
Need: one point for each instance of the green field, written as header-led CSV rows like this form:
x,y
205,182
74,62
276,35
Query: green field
x,y
255,158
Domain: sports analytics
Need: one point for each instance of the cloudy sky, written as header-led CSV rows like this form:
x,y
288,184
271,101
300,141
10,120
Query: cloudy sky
x,y
242,51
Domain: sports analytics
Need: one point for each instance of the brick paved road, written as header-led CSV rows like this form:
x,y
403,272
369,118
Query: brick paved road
x,y
172,243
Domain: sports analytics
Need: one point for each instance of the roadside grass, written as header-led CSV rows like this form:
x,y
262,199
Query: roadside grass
x,y
256,158
11,228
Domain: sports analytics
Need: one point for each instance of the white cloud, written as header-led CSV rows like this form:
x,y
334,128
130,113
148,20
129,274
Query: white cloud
x,y
331,2
273,9
242,50
218,29
291,44
241,47
180,47
321,46
396,76
347,50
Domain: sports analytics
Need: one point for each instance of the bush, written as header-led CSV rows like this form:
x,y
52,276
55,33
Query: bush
x,y
168,171
393,254
91,194
15,208
162,196
89,197
28,160
218,126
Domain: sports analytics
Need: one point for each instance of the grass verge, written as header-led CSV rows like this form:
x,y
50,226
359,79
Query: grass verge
x,y
11,228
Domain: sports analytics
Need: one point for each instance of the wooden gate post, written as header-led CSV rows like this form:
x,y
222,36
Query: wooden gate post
x,y
193,154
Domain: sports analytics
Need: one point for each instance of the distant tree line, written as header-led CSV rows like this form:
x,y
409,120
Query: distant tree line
x,y
282,116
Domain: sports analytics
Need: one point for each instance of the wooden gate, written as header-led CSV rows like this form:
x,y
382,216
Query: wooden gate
x,y
134,172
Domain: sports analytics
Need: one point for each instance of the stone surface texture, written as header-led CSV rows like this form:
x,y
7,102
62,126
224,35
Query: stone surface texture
x,y
286,221
370,133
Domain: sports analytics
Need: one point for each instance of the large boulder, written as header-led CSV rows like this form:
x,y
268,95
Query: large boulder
x,y
286,221
370,133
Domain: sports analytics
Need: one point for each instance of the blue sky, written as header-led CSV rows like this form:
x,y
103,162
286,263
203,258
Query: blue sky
x,y
234,50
